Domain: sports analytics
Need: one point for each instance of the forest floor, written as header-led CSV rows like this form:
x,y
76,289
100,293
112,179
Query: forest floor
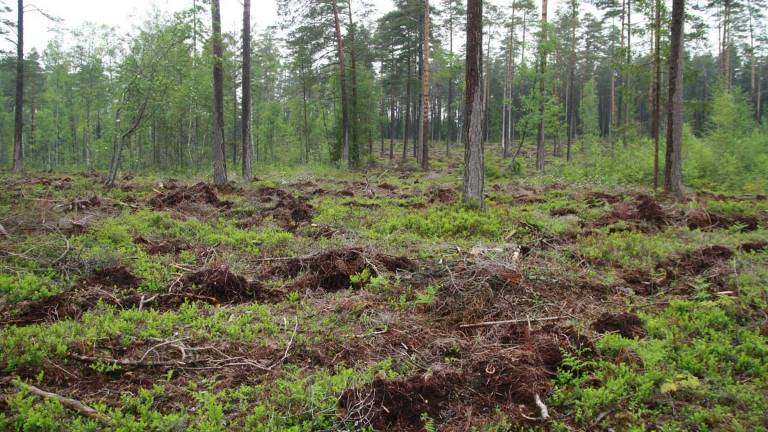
x,y
351,301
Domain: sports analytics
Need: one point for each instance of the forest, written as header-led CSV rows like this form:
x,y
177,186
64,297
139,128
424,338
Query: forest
x,y
385,215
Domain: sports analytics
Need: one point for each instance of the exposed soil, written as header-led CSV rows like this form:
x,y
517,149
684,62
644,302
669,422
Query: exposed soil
x,y
644,212
331,270
286,210
162,247
754,246
627,324
482,379
442,195
178,195
563,211
706,221
112,277
220,284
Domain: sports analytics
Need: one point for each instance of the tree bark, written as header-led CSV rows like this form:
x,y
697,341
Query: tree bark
x,y
571,94
424,132
474,163
217,141
343,84
246,126
18,149
656,126
673,181
540,153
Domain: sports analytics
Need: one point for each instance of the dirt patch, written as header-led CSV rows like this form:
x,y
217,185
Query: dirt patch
x,y
487,379
112,277
332,270
644,211
563,211
703,259
220,284
81,204
626,324
754,246
178,195
441,195
162,247
288,211
706,221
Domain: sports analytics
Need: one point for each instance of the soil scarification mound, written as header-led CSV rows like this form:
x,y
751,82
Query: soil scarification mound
x,y
754,246
220,284
119,277
485,379
161,247
285,209
645,210
332,270
177,195
706,221
442,195
626,324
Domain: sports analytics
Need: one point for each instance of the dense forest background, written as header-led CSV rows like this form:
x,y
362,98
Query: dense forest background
x,y
597,84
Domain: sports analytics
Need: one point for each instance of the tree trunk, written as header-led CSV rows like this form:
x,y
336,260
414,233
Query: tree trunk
x,y
540,154
18,150
474,163
506,117
656,127
354,147
571,94
343,84
217,142
246,126
673,181
424,132
407,120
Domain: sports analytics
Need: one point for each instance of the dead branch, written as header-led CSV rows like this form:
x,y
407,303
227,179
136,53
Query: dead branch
x,y
515,321
542,407
70,403
126,362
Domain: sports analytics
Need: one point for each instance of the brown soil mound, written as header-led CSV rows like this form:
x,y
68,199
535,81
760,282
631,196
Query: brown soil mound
x,y
285,209
443,196
754,246
82,204
705,221
119,277
486,380
161,247
178,194
220,284
563,211
703,259
644,210
628,325
331,270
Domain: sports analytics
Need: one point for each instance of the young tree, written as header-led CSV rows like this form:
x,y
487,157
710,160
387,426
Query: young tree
x,y
424,127
246,126
673,181
18,150
219,160
474,162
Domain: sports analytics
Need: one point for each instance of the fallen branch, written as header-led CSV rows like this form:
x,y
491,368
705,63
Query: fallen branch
x,y
70,403
514,321
126,362
3,232
542,407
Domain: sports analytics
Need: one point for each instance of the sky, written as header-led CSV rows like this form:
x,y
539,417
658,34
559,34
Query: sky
x,y
126,13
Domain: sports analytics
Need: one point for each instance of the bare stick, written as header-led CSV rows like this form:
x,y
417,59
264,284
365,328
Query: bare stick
x,y
542,407
72,404
515,321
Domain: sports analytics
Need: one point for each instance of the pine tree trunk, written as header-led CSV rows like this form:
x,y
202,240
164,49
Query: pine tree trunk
x,y
217,142
407,120
424,132
673,181
246,126
656,127
540,152
571,96
18,150
354,144
343,84
474,163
